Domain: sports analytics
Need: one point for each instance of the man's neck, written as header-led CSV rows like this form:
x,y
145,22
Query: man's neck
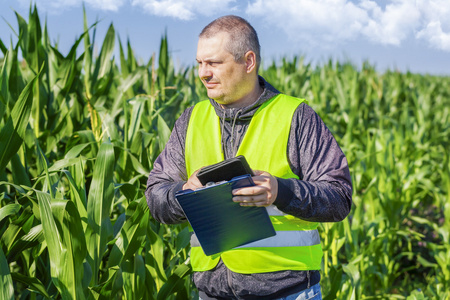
x,y
248,100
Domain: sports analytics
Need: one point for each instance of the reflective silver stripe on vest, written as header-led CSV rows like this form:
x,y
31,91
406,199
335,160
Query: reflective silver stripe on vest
x,y
281,239
272,210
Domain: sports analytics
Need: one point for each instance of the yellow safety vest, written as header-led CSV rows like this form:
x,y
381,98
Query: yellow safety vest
x,y
296,245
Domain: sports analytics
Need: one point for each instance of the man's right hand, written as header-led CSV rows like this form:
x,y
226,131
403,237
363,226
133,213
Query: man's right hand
x,y
193,182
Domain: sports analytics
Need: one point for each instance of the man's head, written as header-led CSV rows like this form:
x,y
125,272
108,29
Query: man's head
x,y
244,37
228,57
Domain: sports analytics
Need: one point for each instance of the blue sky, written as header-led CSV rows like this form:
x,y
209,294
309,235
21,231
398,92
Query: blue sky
x,y
404,35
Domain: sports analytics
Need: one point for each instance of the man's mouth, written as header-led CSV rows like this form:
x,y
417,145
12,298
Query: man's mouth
x,y
210,84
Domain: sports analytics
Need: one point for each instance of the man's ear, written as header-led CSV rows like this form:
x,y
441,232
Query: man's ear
x,y
250,61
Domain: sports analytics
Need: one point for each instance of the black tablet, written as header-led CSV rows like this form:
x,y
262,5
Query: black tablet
x,y
225,170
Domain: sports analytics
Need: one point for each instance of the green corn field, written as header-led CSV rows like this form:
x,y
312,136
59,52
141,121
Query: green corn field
x,y
79,134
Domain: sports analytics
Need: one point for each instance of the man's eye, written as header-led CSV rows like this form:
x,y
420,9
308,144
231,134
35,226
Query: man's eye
x,y
209,63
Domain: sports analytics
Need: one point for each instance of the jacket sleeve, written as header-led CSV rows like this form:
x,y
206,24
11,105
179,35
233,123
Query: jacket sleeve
x,y
168,176
324,191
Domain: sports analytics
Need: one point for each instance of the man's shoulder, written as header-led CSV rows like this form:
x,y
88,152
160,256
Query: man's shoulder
x,y
289,102
183,119
292,98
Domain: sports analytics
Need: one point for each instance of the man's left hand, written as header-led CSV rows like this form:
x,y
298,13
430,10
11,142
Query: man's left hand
x,y
263,193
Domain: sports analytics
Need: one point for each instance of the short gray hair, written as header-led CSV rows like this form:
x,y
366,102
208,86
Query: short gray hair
x,y
243,36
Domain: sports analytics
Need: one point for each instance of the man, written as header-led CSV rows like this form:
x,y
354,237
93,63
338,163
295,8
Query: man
x,y
301,174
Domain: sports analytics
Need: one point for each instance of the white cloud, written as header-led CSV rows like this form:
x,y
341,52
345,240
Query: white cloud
x,y
434,34
184,10
329,22
324,23
436,24
112,5
56,7
180,9
393,24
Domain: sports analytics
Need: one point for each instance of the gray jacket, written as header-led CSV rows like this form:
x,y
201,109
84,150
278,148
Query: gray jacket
x,y
322,194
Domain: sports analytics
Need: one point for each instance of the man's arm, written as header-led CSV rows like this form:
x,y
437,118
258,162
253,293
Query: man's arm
x,y
168,176
324,191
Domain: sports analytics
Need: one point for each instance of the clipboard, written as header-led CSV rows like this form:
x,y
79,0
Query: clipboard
x,y
221,224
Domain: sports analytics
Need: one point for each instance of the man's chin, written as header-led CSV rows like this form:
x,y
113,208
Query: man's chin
x,y
216,97
224,103
219,98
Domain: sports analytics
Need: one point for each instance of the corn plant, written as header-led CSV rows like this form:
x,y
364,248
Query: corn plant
x,y
78,139
394,130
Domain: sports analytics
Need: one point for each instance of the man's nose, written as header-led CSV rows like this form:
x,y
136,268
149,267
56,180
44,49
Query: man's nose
x,y
204,71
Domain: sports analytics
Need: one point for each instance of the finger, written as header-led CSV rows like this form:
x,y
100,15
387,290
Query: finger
x,y
258,172
250,198
190,184
260,203
193,182
261,180
253,190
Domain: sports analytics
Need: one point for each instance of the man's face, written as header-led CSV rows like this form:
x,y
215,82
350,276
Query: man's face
x,y
225,79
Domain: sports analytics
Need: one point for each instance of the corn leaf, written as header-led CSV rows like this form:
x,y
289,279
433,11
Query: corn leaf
x,y
77,194
53,239
139,276
155,258
7,289
66,244
133,274
34,237
12,133
20,175
163,67
3,48
87,57
175,282
8,61
74,246
163,132
9,209
105,54
33,283
132,233
100,197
